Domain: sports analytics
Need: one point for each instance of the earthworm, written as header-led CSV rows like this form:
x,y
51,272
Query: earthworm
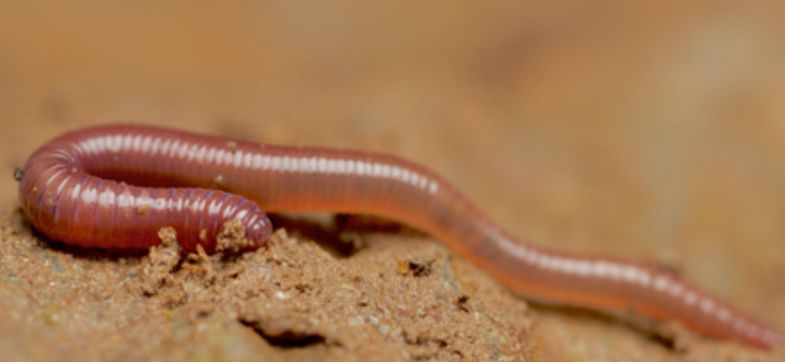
x,y
115,186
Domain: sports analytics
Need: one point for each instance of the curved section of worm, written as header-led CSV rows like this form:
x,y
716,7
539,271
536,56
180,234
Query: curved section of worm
x,y
80,189
76,189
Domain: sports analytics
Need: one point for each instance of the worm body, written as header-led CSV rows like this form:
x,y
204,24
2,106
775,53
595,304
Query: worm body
x,y
115,186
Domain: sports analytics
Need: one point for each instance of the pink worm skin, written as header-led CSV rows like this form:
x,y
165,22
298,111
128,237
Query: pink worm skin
x,y
70,190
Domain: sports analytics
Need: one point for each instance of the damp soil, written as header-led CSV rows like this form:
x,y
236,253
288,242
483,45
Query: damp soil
x,y
395,297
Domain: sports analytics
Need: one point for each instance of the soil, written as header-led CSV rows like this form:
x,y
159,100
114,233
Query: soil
x,y
651,131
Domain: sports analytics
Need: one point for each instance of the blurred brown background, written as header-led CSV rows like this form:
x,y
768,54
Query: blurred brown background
x,y
651,130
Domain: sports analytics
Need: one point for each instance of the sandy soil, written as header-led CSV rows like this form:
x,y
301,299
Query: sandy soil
x,y
648,131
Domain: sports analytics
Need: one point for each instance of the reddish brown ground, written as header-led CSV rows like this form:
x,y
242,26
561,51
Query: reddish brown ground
x,y
648,131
